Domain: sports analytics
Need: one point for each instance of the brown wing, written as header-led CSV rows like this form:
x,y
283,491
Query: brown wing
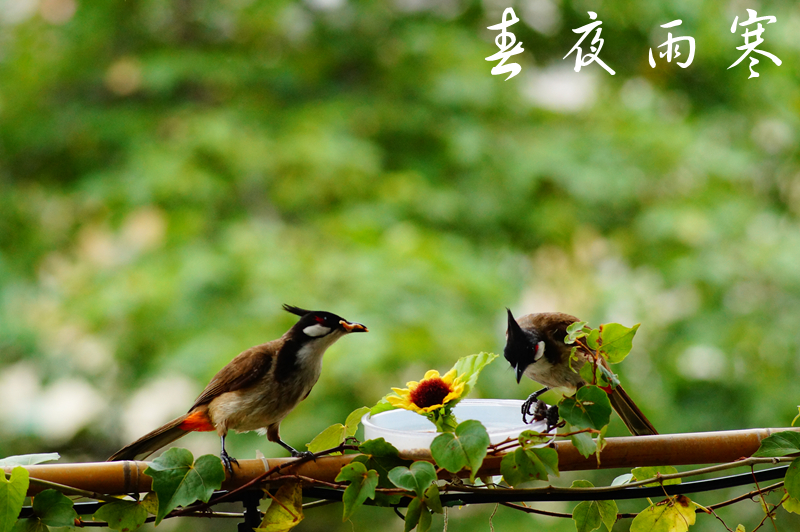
x,y
243,371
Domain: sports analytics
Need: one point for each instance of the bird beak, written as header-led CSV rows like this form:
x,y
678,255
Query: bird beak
x,y
520,371
352,327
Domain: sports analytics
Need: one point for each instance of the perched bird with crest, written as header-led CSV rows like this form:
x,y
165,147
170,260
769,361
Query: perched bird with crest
x,y
257,389
535,348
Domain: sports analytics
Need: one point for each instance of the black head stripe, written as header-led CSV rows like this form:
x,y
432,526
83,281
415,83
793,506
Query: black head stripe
x,y
296,310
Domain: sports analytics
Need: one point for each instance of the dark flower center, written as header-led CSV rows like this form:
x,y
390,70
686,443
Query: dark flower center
x,y
430,392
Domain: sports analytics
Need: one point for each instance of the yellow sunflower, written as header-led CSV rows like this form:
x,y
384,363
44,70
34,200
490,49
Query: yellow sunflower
x,y
429,394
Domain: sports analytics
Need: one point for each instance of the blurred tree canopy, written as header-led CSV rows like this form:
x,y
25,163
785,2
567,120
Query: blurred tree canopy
x,y
172,172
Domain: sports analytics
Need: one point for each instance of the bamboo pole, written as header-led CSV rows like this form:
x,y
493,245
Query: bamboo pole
x,y
116,478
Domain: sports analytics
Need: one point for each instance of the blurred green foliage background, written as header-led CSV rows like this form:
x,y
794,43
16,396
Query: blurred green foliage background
x,y
172,172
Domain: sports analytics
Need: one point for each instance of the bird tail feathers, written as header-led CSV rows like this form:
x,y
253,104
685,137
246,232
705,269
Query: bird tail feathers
x,y
152,441
633,418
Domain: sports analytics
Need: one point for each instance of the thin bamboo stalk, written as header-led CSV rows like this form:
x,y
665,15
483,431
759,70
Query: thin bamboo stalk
x,y
115,478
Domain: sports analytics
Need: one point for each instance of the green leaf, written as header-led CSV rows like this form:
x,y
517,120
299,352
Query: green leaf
x,y
586,516
575,330
588,408
432,500
286,510
790,504
150,503
592,339
596,513
525,465
676,515
584,443
464,448
644,473
335,435
617,341
587,373
178,482
792,480
362,486
124,516
627,478
50,508
53,508
608,512
383,405
30,525
12,496
469,368
354,420
531,438
417,478
28,459
779,444
606,377
425,519
327,439
381,456
413,514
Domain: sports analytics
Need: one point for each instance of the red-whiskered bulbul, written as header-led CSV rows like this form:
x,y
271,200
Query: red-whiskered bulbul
x,y
535,348
257,389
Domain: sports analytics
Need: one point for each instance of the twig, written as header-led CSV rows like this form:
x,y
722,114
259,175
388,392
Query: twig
x,y
63,488
341,487
749,495
300,460
529,510
764,502
719,518
655,480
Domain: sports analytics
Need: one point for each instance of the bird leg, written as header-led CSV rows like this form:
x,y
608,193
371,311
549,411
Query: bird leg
x,y
295,452
552,418
227,460
529,402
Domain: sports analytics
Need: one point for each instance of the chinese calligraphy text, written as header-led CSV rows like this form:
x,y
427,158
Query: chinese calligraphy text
x,y
504,41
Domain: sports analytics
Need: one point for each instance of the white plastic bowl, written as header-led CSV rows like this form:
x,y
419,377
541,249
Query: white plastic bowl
x,y
408,430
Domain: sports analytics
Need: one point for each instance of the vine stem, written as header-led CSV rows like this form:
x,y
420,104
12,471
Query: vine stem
x,y
766,506
69,490
657,479
205,505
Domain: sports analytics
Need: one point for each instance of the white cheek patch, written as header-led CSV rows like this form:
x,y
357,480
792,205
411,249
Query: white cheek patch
x,y
539,351
316,330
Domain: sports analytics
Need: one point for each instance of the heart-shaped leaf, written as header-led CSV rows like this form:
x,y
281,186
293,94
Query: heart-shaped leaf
x,y
464,448
590,515
286,510
588,408
178,481
362,486
416,478
124,516
675,515
644,473
525,465
12,496
779,444
792,480
51,508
